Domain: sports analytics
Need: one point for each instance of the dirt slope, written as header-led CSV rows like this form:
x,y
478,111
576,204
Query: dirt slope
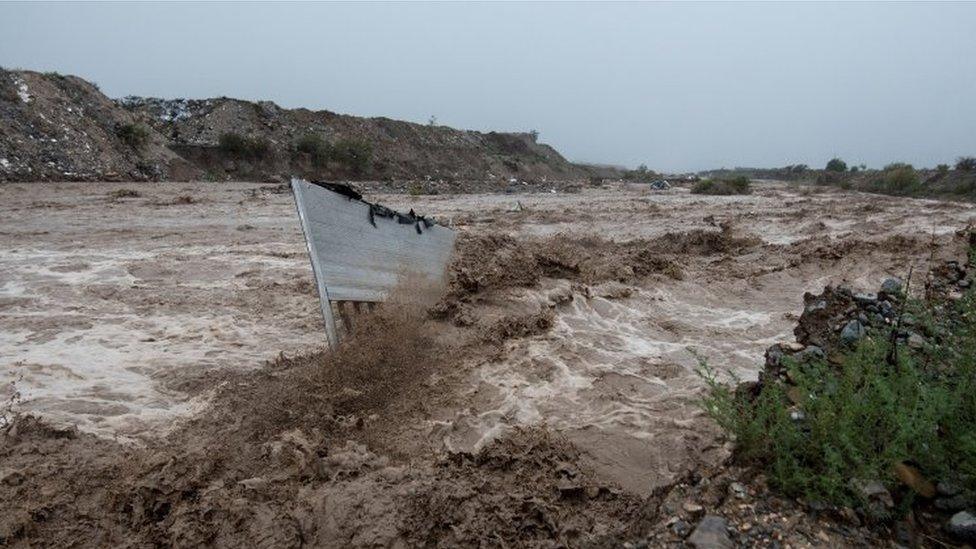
x,y
55,127
62,128
400,149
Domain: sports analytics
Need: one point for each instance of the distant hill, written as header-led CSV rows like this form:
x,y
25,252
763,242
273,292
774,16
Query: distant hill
x,y
55,127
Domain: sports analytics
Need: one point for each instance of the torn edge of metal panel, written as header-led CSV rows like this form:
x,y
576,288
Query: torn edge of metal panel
x,y
421,222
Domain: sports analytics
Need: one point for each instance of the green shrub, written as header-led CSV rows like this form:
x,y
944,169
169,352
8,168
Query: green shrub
x,y
855,421
737,185
966,163
315,147
900,179
942,169
244,147
836,165
133,135
355,154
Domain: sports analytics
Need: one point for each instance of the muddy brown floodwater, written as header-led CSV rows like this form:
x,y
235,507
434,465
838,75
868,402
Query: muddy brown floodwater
x,y
116,312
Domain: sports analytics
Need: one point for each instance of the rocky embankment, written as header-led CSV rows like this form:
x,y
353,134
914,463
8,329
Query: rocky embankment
x,y
916,508
736,504
63,128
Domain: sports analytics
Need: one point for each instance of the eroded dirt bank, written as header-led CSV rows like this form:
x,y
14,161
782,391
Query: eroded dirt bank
x,y
549,398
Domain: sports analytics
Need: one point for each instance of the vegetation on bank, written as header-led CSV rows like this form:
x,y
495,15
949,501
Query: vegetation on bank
x,y
354,155
133,135
730,186
315,147
881,411
244,147
901,179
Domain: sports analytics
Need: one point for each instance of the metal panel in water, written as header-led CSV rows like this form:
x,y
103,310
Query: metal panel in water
x,y
357,256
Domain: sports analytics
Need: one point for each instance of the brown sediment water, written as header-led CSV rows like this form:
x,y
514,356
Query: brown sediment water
x,y
569,338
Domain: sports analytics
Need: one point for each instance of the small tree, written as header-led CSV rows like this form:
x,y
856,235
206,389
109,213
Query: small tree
x,y
836,165
966,163
901,178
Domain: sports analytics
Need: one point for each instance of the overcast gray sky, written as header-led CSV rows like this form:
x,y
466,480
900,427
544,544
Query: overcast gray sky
x,y
675,86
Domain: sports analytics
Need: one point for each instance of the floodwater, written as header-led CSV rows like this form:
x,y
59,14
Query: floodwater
x,y
115,312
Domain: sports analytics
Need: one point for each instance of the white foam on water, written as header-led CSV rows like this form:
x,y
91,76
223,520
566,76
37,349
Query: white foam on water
x,y
608,364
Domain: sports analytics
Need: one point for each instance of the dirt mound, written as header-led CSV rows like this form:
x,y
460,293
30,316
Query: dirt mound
x,y
400,150
63,128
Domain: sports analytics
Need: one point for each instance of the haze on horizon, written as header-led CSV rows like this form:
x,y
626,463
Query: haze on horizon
x,y
678,87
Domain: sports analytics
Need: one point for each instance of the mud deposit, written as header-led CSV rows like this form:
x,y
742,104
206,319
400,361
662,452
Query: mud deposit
x,y
548,398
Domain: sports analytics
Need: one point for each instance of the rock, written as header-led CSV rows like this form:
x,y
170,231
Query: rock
x,y
693,508
811,352
892,286
850,516
912,477
905,534
873,490
946,488
681,528
738,490
962,525
815,306
853,332
952,503
915,341
774,355
711,533
866,298
794,347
